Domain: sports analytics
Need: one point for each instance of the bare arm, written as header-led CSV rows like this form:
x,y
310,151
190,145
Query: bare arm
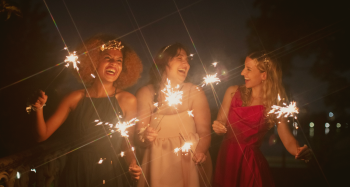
x,y
219,126
128,104
201,115
45,129
144,111
288,140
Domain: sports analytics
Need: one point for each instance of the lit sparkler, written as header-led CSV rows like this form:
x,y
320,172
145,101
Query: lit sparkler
x,y
172,95
120,126
73,58
286,110
210,79
184,149
190,113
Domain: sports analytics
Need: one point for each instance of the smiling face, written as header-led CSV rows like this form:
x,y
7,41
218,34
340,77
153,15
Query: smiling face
x,y
178,67
110,65
252,75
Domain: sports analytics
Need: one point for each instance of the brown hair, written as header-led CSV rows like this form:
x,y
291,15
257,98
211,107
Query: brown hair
x,y
272,86
89,59
161,61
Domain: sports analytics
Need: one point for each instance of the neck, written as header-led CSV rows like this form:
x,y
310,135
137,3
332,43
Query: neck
x,y
257,91
99,90
173,83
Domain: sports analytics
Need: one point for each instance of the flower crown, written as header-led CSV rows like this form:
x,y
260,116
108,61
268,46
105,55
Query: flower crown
x,y
112,44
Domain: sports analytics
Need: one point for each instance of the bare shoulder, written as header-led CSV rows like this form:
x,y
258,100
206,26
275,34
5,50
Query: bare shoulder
x,y
194,87
145,92
73,98
232,90
125,98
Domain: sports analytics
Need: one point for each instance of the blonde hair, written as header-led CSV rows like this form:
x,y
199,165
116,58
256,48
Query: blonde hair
x,y
272,86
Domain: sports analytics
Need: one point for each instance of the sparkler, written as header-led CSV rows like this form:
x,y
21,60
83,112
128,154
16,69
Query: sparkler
x,y
210,79
286,110
184,149
172,95
190,113
120,126
73,58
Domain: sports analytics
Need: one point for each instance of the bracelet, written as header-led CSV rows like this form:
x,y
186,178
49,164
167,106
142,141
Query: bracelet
x,y
30,108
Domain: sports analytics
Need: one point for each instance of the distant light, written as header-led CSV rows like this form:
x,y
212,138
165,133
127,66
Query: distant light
x,y
338,125
326,131
295,125
312,124
312,132
18,175
327,125
331,114
33,170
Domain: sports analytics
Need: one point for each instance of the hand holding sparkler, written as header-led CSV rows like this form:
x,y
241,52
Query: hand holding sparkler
x,y
37,101
199,158
150,134
304,153
219,128
135,171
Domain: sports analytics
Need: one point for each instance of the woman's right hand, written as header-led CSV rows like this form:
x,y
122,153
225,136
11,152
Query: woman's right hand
x,y
219,128
38,100
150,134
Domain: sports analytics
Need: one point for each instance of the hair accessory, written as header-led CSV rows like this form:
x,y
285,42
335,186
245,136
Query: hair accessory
x,y
166,48
112,44
266,61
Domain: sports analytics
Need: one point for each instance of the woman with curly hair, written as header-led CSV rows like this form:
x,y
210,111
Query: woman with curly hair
x,y
116,66
161,166
243,120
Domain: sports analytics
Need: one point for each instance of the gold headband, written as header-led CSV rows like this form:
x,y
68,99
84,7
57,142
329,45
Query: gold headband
x,y
113,44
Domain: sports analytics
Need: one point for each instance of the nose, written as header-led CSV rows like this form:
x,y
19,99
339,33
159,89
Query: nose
x,y
243,72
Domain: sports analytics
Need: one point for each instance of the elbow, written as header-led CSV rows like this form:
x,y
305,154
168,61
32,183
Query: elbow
x,y
40,139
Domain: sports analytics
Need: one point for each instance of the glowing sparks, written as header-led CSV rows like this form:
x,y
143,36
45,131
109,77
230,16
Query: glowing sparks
x,y
120,126
214,64
122,154
156,104
286,110
172,95
92,75
279,98
190,113
209,79
184,149
100,161
33,170
73,58
132,148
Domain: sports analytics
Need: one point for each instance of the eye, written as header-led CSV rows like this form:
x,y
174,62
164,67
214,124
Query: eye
x,y
107,57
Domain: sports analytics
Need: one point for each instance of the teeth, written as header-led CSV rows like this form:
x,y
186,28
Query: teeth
x,y
111,70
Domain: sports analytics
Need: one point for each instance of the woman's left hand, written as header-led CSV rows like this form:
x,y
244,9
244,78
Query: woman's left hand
x,y
135,171
199,158
304,153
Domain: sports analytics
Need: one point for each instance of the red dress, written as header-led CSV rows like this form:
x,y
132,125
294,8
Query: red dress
x,y
240,162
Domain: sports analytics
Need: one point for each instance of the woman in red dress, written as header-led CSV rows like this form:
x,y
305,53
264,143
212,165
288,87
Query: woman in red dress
x,y
243,120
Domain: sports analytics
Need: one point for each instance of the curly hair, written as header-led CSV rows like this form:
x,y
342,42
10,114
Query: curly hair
x,y
272,86
89,60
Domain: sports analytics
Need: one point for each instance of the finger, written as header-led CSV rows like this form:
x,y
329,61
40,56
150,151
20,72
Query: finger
x,y
41,100
302,152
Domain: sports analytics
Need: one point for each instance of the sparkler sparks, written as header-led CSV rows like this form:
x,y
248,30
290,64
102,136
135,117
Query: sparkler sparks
x,y
92,75
156,104
210,79
172,95
73,58
184,149
122,154
190,113
214,64
286,110
120,126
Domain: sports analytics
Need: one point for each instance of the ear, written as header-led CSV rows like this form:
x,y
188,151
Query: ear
x,y
263,76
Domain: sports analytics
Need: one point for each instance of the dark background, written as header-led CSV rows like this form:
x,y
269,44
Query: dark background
x,y
309,39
